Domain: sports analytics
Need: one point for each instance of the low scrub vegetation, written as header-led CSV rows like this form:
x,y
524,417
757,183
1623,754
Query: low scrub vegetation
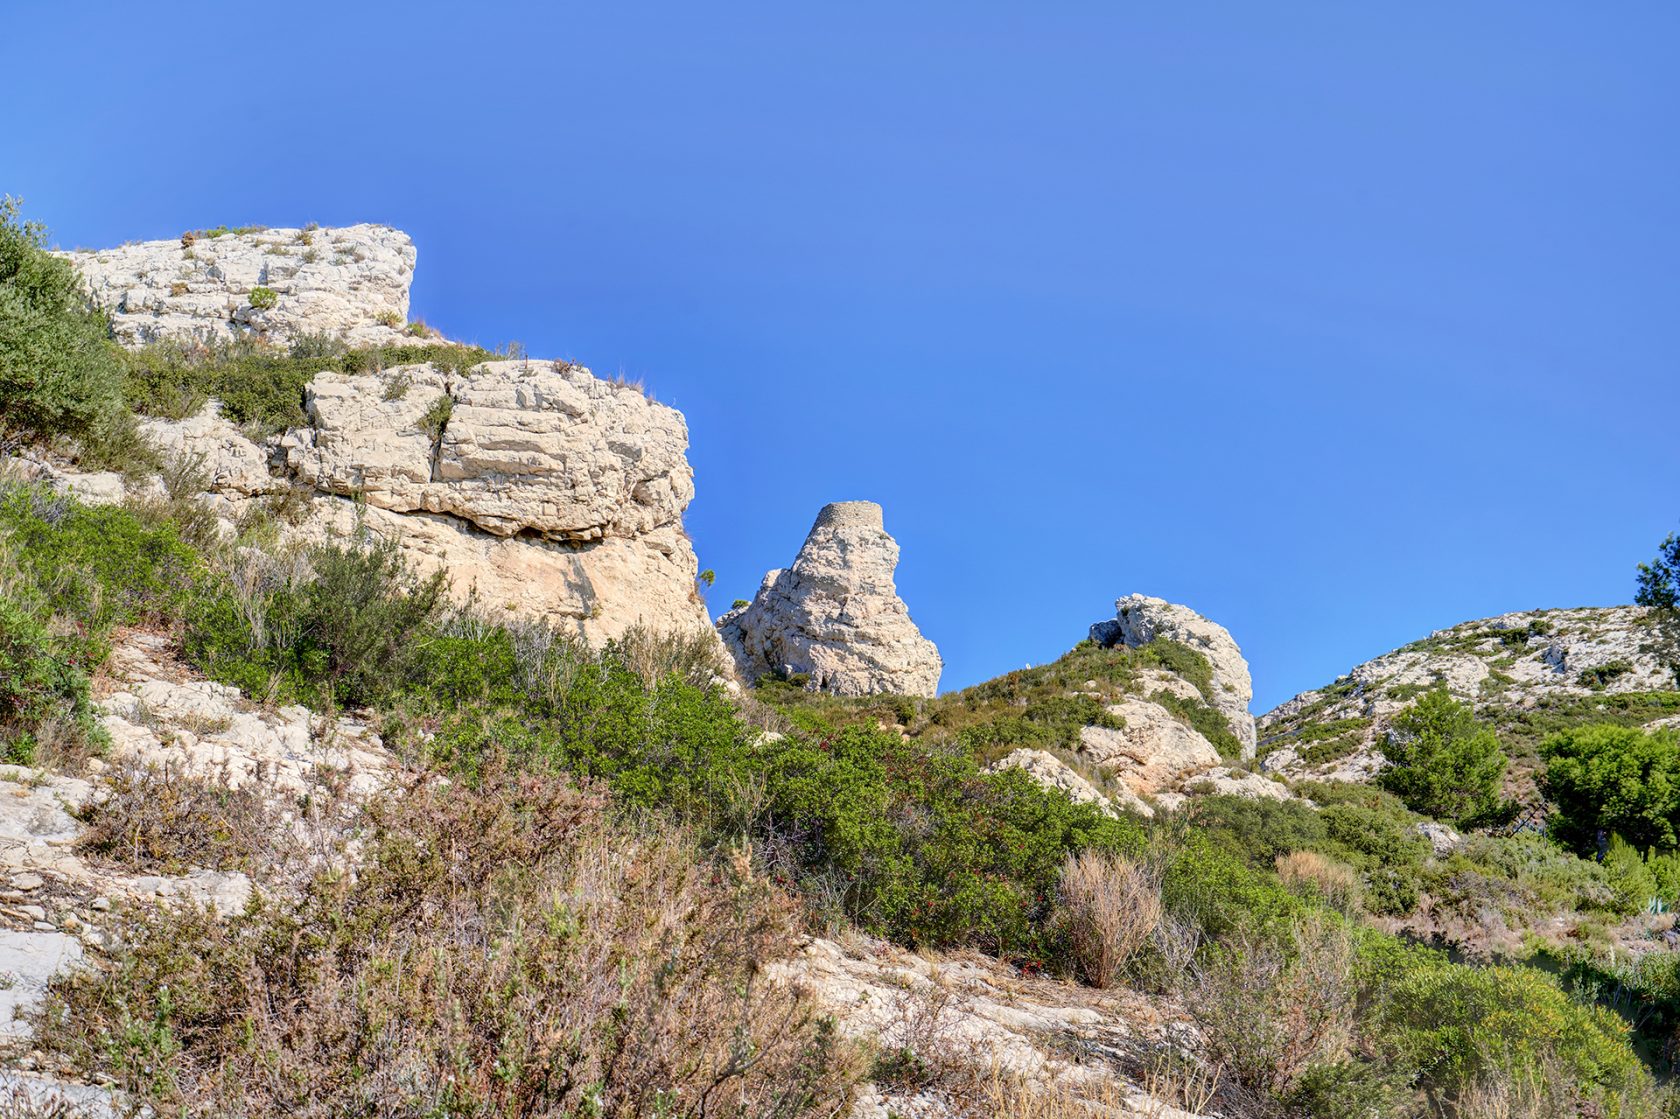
x,y
160,819
511,952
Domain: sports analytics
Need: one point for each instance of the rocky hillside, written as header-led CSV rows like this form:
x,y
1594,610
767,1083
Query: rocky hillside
x,y
1528,673
289,827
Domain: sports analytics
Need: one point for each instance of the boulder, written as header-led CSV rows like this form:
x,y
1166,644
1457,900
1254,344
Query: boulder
x,y
1141,619
835,615
1053,773
1153,752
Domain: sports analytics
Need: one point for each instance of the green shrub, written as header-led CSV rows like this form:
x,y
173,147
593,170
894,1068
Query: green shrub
x,y
43,686
258,387
263,299
1459,1027
98,565
1443,763
1614,779
59,372
1631,881
347,635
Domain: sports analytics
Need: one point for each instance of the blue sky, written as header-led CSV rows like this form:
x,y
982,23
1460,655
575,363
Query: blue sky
x,y
1334,323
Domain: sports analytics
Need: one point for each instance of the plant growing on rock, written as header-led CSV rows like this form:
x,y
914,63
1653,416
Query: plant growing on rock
x,y
263,299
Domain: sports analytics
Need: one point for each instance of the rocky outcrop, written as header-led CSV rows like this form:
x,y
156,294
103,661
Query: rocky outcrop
x,y
510,447
272,284
540,488
835,616
1075,1049
1141,619
1569,663
1053,773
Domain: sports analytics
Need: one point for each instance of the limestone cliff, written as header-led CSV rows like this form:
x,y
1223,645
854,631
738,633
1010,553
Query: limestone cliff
x,y
835,615
541,488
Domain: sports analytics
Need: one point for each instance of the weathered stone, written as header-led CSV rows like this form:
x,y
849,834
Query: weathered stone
x,y
1141,619
350,283
1053,773
538,447
835,615
30,959
1443,840
1154,752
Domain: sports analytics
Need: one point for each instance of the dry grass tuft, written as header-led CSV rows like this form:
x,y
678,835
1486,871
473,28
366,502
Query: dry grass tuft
x,y
1310,873
1269,1011
1111,908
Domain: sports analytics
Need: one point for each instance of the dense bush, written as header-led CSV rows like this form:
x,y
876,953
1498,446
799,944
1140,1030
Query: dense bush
x,y
1444,764
347,632
1368,831
1461,1028
59,372
43,686
1610,779
906,839
68,573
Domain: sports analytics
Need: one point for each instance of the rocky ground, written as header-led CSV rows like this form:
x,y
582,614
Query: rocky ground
x,y
1522,670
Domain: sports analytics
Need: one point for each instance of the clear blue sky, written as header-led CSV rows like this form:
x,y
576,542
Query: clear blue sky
x,y
1334,323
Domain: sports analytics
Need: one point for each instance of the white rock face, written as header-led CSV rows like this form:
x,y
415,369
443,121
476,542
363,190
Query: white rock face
x,y
982,1014
544,489
1140,619
541,447
1153,753
835,615
1511,662
350,283
1052,772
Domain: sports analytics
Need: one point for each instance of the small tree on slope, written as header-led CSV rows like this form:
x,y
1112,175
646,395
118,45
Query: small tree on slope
x,y
1445,763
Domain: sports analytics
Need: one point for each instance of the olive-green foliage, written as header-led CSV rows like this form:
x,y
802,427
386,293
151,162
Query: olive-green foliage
x,y
906,840
59,372
98,565
68,573
1457,1026
43,679
1445,764
1525,878
1614,779
1630,879
260,387
349,634
1367,830
263,298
